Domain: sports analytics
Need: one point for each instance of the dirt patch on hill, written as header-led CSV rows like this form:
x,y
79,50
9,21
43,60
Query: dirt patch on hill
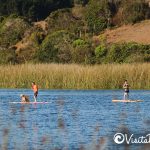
x,y
139,33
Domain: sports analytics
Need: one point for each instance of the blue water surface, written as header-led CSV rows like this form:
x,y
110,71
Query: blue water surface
x,y
73,119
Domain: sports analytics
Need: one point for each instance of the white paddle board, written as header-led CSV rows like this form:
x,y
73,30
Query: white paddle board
x,y
29,102
127,101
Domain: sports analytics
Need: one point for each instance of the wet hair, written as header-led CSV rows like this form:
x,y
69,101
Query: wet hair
x,y
22,95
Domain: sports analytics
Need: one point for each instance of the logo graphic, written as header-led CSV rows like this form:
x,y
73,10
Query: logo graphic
x,y
119,138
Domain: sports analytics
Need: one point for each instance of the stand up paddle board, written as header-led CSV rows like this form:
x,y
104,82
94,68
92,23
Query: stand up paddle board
x,y
127,101
29,102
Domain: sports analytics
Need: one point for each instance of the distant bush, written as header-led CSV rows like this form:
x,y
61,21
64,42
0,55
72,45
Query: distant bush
x,y
135,58
79,42
135,11
57,47
100,53
118,53
82,52
64,20
63,47
12,30
96,16
128,52
131,11
7,57
37,37
47,53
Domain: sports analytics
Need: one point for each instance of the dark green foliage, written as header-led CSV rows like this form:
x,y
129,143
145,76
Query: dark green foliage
x,y
118,53
128,52
135,11
1,19
82,52
33,9
7,57
100,53
83,2
62,47
64,20
57,47
79,43
96,16
11,30
47,53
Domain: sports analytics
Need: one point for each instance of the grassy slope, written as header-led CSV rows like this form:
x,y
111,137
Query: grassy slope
x,y
130,33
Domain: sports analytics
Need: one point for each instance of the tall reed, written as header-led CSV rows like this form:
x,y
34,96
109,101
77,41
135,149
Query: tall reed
x,y
73,76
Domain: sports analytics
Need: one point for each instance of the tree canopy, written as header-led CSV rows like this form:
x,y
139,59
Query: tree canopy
x,y
33,9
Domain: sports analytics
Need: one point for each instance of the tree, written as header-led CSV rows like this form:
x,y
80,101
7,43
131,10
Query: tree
x,y
47,53
97,15
34,9
82,52
57,47
135,11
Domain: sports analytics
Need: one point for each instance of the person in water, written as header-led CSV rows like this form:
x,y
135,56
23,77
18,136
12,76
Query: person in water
x,y
35,90
24,98
126,90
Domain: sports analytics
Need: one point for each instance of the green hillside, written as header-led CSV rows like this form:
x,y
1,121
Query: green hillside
x,y
69,31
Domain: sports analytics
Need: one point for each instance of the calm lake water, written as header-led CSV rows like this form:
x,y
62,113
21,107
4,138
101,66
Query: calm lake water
x,y
84,119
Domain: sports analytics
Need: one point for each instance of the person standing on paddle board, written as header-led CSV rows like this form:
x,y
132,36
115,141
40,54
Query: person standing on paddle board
x,y
126,90
35,90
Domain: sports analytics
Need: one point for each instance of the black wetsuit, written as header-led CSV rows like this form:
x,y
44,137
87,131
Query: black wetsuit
x,y
126,89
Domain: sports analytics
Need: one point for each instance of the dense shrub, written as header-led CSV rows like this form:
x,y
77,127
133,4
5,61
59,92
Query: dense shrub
x,y
12,30
79,43
124,52
47,53
131,11
100,53
57,46
7,57
135,11
135,58
82,52
96,16
64,20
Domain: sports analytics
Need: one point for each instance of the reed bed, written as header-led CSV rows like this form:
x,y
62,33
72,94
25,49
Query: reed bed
x,y
73,76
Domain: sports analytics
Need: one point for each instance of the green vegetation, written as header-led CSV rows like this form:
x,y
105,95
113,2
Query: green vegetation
x,y
128,52
66,35
56,47
64,20
12,29
82,52
59,76
96,16
135,11
37,9
7,56
122,53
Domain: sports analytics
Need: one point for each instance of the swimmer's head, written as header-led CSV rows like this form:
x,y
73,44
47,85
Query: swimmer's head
x,y
21,95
